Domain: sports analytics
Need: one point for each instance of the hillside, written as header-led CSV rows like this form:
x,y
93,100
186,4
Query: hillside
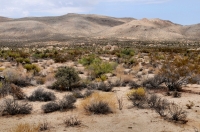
x,y
78,25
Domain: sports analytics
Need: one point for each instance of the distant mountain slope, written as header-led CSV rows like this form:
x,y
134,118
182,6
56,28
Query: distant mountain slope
x,y
79,25
4,19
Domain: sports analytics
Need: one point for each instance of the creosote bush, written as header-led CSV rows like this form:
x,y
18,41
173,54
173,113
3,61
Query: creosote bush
x,y
13,107
99,103
41,95
66,78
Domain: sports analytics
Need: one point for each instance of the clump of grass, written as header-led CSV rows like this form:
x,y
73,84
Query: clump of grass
x,y
99,103
137,96
72,121
26,127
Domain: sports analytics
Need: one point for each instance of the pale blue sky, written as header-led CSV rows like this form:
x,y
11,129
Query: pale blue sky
x,y
183,12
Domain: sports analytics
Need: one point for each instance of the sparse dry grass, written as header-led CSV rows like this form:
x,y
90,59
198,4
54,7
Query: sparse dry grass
x,y
26,127
92,103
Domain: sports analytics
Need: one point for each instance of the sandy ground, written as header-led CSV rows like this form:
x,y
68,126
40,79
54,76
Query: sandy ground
x,y
129,119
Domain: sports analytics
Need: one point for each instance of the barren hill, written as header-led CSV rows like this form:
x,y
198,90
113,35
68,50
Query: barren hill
x,y
78,25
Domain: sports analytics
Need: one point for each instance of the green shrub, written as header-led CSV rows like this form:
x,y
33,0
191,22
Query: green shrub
x,y
101,68
88,60
66,78
19,60
32,67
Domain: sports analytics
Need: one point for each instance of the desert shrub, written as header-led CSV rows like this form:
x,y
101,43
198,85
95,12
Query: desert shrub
x,y
120,102
40,80
88,93
117,83
44,126
66,78
67,102
100,68
72,121
99,103
64,104
61,58
138,97
51,107
88,60
32,67
41,95
105,87
77,94
177,114
133,84
15,76
175,84
25,127
176,94
161,107
154,83
17,92
19,60
153,100
13,107
190,105
5,89
23,60
136,93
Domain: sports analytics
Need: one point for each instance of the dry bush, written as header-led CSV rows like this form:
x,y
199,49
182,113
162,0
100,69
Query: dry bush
x,y
51,107
26,127
154,83
153,100
104,87
42,95
16,76
138,97
72,121
99,103
161,107
77,94
17,92
177,114
5,89
120,102
87,93
190,104
67,102
133,84
44,126
13,107
50,77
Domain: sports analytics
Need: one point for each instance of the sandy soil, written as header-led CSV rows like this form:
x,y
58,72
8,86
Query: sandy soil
x,y
129,119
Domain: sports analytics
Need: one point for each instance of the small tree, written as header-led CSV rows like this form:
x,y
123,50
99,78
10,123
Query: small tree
x,y
66,78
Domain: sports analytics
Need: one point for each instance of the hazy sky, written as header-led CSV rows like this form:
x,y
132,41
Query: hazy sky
x,y
179,11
